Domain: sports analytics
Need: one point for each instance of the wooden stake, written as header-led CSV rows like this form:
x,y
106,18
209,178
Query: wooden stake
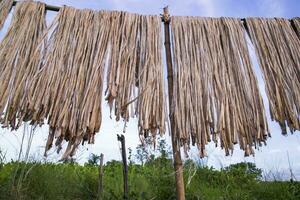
x,y
175,146
125,167
101,173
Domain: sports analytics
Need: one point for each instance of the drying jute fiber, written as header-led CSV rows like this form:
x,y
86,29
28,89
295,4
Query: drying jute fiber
x,y
66,87
21,53
278,52
296,24
56,75
135,71
216,94
5,6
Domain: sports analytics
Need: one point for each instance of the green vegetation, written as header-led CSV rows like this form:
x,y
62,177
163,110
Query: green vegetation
x,y
154,179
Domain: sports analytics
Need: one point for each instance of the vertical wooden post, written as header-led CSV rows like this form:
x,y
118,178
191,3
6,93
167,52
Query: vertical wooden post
x,y
175,146
100,185
125,167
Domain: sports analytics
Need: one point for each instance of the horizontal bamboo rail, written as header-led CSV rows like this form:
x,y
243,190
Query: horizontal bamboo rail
x,y
57,8
48,7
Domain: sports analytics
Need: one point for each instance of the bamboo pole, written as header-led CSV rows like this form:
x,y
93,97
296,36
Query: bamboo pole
x,y
125,167
178,166
100,185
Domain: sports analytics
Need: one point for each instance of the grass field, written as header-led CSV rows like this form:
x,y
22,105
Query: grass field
x,y
152,180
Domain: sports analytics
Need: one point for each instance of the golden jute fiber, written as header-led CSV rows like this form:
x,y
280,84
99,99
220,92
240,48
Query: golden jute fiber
x,y
64,85
68,88
135,72
296,24
5,6
21,53
216,94
278,52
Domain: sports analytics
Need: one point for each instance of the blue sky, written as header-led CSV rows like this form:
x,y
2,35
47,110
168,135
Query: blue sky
x,y
271,157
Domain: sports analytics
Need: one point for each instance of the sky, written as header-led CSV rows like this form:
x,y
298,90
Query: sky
x,y
281,152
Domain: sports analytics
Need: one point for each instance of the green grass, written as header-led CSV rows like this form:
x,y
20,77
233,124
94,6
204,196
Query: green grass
x,y
153,180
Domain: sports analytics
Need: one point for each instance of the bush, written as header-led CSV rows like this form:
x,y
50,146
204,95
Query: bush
x,y
152,178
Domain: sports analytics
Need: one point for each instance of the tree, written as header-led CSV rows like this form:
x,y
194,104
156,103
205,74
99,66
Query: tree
x,y
143,151
247,168
93,159
163,149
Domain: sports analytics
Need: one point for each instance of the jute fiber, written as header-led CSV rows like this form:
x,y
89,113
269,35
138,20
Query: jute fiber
x,y
296,24
278,52
68,89
5,6
21,53
216,94
135,72
216,97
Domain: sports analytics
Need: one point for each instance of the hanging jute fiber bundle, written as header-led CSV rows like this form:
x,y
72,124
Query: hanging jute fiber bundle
x,y
21,52
296,25
277,48
135,73
216,94
5,6
68,89
64,85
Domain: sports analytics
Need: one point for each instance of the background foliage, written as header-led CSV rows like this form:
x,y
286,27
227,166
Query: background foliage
x,y
151,176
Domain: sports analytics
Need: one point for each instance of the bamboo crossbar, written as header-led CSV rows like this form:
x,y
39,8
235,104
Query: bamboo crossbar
x,y
57,8
48,7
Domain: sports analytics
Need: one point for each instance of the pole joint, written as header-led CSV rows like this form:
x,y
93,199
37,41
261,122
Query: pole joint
x,y
165,17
